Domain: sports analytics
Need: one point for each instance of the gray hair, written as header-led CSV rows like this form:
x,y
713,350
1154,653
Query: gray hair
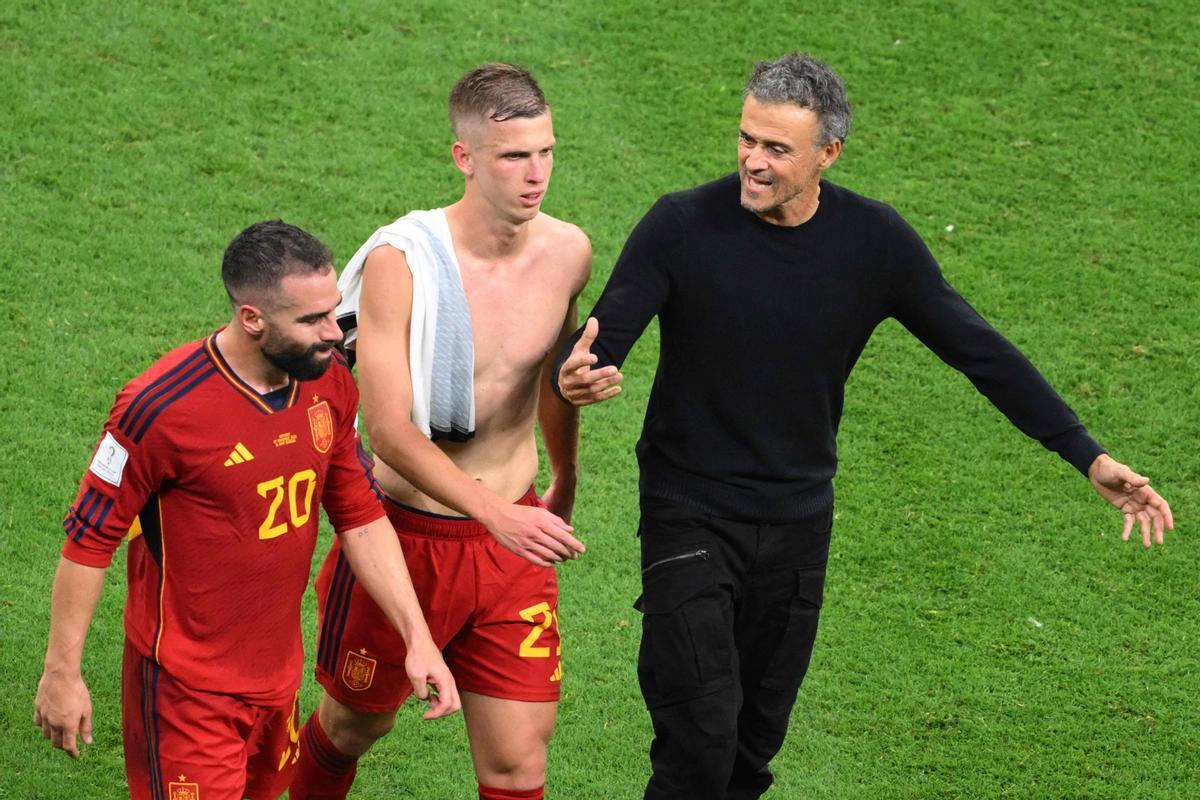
x,y
802,80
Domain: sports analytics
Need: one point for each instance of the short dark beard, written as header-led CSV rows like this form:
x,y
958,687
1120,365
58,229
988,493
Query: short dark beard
x,y
299,364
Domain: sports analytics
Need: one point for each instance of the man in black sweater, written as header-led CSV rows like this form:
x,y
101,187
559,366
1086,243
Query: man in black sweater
x,y
767,285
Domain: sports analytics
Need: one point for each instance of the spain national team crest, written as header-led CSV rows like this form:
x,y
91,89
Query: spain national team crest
x,y
180,790
359,671
320,422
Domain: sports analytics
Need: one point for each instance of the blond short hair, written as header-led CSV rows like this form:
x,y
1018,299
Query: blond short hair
x,y
496,92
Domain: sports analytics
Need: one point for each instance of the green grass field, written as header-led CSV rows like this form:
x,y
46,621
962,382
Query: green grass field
x,y
986,634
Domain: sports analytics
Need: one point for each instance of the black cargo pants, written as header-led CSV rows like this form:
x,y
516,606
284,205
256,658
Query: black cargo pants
x,y
729,615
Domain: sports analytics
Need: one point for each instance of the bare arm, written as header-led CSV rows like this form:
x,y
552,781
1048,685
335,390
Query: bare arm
x,y
386,388
63,707
560,430
375,556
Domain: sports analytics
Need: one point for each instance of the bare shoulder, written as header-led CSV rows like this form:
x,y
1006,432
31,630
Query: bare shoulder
x,y
384,257
387,288
570,248
563,232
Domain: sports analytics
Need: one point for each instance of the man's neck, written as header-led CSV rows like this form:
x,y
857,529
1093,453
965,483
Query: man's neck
x,y
246,360
481,234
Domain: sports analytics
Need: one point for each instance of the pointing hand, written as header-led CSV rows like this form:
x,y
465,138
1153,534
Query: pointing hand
x,y
579,383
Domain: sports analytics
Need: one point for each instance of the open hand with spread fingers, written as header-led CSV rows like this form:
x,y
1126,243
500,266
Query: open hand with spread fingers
x,y
578,382
1131,494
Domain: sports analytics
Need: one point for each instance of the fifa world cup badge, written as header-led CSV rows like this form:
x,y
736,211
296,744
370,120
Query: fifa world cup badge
x,y
320,422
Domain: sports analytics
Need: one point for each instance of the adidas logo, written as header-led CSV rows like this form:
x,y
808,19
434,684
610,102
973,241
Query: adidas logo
x,y
239,455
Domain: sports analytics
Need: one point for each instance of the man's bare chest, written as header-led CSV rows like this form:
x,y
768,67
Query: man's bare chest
x,y
515,319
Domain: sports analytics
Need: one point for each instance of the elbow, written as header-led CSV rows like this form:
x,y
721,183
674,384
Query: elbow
x,y
393,441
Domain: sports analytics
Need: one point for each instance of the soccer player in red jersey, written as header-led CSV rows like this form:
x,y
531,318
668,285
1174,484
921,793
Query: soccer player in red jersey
x,y
212,462
480,544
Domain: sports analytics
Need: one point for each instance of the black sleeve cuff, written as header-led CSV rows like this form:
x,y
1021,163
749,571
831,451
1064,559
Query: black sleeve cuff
x,y
1080,451
563,354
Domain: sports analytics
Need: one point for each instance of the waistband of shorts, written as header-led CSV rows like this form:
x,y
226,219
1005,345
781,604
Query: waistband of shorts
x,y
419,522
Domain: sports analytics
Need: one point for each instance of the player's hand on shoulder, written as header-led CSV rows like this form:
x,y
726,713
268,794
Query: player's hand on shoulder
x,y
63,710
578,382
533,533
1131,494
431,679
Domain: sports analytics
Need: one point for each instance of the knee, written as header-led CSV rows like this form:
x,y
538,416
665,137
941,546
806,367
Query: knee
x,y
353,732
695,743
527,771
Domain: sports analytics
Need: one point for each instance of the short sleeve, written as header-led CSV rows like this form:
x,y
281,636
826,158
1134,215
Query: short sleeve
x,y
351,497
126,468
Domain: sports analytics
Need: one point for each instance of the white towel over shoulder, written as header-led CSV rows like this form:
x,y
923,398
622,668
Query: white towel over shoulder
x,y
441,353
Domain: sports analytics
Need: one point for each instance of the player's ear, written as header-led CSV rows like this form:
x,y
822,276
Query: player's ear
x,y
462,158
251,319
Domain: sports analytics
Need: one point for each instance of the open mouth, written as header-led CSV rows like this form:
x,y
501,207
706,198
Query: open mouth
x,y
755,184
532,199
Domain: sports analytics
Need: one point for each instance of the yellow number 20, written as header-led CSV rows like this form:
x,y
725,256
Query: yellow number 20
x,y
274,490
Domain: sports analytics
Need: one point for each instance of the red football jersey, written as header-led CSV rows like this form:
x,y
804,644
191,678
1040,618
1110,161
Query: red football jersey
x,y
217,491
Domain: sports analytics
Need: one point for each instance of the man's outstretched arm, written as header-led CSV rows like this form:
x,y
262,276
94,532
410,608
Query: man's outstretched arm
x,y
587,366
926,304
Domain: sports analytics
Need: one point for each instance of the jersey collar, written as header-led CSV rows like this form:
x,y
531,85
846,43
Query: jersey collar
x,y
243,388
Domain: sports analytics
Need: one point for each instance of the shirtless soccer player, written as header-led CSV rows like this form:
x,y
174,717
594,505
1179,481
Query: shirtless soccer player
x,y
479,543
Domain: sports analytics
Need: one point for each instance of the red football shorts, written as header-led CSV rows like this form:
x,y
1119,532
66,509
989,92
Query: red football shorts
x,y
183,744
493,614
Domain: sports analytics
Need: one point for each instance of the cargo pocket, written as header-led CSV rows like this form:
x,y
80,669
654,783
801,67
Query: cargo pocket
x,y
687,629
787,665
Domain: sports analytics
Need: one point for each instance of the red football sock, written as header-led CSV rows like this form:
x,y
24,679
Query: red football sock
x,y
492,793
324,772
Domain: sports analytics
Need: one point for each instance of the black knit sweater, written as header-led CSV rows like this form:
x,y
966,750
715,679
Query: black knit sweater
x,y
760,327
